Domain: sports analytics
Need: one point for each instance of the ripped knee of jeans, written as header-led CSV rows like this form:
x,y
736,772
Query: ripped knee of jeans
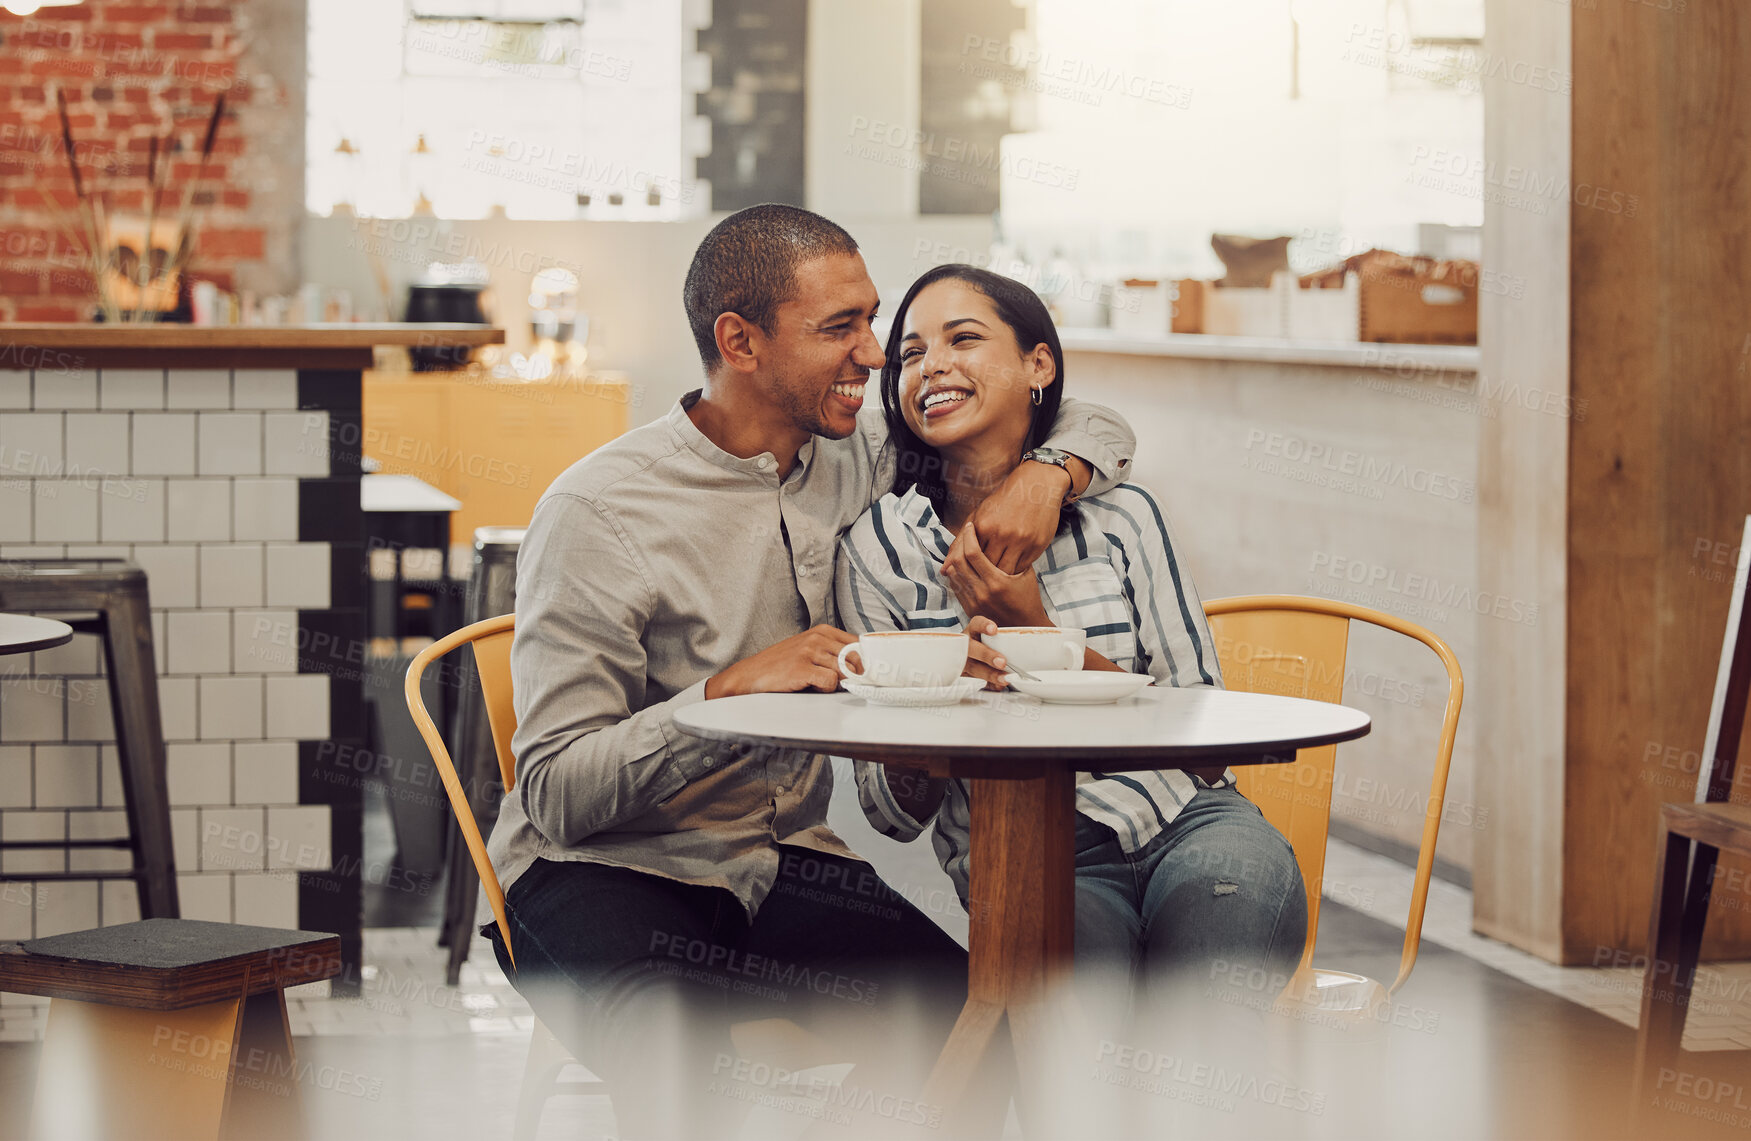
x,y
1225,887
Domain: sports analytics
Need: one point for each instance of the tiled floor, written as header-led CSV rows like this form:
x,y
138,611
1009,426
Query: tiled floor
x,y
441,1062
1720,1015
402,990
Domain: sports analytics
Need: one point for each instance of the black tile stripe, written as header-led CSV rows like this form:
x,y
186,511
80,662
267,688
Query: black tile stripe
x,y
332,642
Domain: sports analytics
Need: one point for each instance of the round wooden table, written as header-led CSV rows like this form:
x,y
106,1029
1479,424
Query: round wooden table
x,y
22,633
1023,756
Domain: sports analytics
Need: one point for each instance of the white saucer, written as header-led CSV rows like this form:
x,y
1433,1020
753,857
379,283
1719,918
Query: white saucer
x,y
914,696
1079,687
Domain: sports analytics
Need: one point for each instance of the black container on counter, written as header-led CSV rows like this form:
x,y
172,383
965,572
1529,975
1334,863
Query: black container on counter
x,y
427,304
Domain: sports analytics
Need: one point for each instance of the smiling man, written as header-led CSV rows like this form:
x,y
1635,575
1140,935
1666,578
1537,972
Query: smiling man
x,y
662,888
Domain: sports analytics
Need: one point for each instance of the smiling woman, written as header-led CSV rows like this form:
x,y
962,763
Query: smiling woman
x,y
969,349
970,384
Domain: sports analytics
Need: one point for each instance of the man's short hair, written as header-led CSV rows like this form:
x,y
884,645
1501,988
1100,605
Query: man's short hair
x,y
747,266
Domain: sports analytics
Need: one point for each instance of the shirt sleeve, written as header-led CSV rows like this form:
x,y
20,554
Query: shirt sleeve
x,y
1087,431
1098,435
864,605
1172,630
1171,627
591,750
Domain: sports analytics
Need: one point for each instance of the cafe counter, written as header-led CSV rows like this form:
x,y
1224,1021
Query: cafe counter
x,y
1344,471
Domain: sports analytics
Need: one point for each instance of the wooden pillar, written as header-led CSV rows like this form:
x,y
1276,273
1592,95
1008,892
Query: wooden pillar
x,y
1660,469
1618,203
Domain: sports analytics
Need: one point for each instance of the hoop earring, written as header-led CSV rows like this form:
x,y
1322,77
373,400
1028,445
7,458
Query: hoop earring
x,y
1039,395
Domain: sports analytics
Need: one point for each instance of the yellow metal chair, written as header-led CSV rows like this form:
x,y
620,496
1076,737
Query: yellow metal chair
x,y
491,640
1278,643
777,1040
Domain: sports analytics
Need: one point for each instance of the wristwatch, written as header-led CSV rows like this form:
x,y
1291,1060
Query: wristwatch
x,y
1057,459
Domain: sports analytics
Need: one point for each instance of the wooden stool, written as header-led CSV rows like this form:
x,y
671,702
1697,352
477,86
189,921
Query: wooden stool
x,y
168,1027
1681,885
1692,837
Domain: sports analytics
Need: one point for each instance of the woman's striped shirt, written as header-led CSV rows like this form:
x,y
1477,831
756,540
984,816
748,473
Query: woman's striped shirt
x,y
1112,572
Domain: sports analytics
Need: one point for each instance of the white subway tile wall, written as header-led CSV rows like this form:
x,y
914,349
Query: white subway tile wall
x,y
230,443
232,576
199,510
265,509
199,388
297,575
15,786
164,443
129,387
134,511
193,474
264,641
98,825
14,388
16,499
297,443
67,390
264,388
98,442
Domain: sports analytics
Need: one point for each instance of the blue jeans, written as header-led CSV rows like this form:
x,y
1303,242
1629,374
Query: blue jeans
x,y
641,978
1218,885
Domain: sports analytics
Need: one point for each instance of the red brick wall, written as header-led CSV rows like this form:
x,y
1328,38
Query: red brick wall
x,y
131,71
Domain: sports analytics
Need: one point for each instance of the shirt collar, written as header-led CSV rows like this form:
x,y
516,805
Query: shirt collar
x,y
915,510
691,438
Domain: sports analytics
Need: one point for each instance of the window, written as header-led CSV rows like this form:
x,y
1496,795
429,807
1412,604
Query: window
x,y
540,109
1343,123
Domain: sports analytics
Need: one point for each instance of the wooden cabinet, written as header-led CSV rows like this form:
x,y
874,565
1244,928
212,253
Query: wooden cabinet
x,y
493,444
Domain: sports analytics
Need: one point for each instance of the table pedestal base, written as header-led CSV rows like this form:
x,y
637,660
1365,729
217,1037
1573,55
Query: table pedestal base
x,y
1022,915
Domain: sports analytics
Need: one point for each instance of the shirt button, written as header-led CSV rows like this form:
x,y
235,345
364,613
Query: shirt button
x,y
765,463
802,572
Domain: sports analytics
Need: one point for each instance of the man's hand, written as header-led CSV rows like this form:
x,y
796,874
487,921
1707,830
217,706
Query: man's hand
x,y
1016,522
803,661
983,588
983,662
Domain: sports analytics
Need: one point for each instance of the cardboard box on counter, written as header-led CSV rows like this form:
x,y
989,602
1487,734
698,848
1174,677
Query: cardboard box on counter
x,y
1413,309
1146,307
1407,300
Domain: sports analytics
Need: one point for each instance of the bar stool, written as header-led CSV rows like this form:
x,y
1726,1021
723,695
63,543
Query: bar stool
x,y
492,590
116,590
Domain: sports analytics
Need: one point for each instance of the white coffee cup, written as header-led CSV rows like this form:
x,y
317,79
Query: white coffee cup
x,y
1035,648
908,657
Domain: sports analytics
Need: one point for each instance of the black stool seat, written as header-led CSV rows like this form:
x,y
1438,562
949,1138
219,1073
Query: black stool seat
x,y
114,590
167,964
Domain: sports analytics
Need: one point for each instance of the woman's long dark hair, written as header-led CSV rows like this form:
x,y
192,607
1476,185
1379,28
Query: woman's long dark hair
x,y
1021,309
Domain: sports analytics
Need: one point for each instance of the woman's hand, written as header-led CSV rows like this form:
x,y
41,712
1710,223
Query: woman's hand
x,y
984,589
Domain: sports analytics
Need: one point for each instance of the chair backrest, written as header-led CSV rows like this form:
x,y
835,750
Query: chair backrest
x,y
1279,643
491,640
1726,714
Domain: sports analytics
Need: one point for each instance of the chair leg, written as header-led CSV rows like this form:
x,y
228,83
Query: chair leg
x,y
133,689
1665,1001
461,923
547,1059
476,759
